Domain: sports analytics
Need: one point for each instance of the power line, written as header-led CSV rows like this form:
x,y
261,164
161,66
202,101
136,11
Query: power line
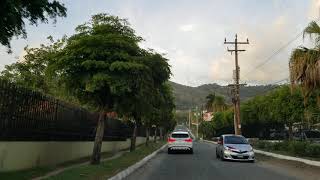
x,y
276,52
275,86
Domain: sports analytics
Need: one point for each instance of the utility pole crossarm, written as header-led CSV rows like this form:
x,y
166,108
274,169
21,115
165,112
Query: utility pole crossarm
x,y
233,50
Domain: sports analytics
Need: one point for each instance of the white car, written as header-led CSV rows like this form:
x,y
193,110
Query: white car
x,y
234,147
181,141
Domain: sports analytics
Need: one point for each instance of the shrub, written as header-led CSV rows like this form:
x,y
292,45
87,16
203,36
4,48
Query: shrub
x,y
313,150
298,147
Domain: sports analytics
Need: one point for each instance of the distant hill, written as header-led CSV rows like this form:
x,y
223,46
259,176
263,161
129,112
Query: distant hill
x,y
188,97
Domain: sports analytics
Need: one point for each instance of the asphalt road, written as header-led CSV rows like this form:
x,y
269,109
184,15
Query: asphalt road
x,y
203,165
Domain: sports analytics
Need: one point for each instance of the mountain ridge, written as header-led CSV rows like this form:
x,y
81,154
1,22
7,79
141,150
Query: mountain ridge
x,y
187,97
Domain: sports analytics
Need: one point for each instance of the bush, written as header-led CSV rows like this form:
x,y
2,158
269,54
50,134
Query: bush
x,y
298,148
313,150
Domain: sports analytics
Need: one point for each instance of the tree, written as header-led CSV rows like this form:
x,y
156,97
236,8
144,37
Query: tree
x,y
13,13
96,64
305,64
210,100
215,103
31,70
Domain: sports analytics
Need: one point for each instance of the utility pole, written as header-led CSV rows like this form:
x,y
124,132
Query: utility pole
x,y
236,85
189,118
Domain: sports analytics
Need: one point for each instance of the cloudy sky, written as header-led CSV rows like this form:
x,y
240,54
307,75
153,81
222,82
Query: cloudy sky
x,y
191,34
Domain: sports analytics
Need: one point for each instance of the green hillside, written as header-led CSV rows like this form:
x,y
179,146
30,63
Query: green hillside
x,y
188,97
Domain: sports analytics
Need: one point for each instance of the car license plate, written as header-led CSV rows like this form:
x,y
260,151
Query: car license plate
x,y
240,156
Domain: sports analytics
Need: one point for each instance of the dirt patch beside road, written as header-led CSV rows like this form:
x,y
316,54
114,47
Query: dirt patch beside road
x,y
297,169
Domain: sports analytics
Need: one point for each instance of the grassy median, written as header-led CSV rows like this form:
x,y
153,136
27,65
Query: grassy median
x,y
42,171
108,168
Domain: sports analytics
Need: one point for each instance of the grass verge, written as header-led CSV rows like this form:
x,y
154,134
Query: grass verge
x,y
291,148
41,171
109,168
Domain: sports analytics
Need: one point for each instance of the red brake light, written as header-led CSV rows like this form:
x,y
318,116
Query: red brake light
x,y
188,140
170,140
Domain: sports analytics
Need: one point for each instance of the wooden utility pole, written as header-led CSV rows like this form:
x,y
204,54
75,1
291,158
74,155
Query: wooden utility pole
x,y
236,89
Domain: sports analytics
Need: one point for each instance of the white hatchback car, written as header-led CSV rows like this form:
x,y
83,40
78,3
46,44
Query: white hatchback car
x,y
234,147
180,140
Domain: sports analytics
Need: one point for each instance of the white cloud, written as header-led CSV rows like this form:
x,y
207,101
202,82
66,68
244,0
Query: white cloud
x,y
187,27
314,10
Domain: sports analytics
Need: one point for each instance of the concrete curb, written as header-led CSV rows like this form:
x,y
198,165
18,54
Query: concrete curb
x,y
290,158
121,175
279,156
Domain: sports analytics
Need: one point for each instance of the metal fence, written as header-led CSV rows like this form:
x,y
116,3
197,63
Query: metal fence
x,y
26,115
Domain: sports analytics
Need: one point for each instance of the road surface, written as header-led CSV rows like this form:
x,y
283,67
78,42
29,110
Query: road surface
x,y
203,165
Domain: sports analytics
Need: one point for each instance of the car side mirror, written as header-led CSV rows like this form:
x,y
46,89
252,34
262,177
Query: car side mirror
x,y
220,142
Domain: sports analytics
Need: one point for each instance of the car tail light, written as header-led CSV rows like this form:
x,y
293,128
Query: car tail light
x,y
188,140
170,140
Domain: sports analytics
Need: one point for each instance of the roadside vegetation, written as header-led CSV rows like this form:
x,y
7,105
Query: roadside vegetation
x,y
109,168
292,148
295,106
101,67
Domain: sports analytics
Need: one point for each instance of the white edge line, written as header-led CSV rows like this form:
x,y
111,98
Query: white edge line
x,y
279,156
121,175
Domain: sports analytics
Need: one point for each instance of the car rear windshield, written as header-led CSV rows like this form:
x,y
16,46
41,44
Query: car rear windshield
x,y
312,134
235,140
181,135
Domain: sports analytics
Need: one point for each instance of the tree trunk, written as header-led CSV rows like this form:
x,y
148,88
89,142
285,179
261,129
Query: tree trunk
x,y
96,154
155,135
290,132
147,136
133,138
161,133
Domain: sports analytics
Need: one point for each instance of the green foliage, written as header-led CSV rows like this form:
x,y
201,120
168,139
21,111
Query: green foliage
x,y
304,65
313,150
98,63
295,148
207,129
274,110
31,70
13,13
187,97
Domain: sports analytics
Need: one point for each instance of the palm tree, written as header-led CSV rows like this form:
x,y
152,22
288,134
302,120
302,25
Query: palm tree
x,y
305,64
219,104
210,99
215,103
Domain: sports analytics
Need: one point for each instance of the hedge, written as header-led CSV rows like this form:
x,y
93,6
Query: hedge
x,y
295,148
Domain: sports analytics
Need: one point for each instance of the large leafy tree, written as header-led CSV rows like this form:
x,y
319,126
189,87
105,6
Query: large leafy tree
x,y
96,64
31,70
305,64
13,14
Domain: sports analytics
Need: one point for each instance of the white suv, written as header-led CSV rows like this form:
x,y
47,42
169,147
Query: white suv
x,y
180,140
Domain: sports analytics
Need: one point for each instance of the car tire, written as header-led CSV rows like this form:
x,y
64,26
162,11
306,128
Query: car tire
x,y
191,151
169,151
252,161
222,157
217,155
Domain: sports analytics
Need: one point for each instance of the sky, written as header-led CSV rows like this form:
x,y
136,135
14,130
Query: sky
x,y
191,34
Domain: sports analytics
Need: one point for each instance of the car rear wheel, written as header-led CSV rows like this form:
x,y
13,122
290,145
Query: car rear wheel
x,y
169,151
191,151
